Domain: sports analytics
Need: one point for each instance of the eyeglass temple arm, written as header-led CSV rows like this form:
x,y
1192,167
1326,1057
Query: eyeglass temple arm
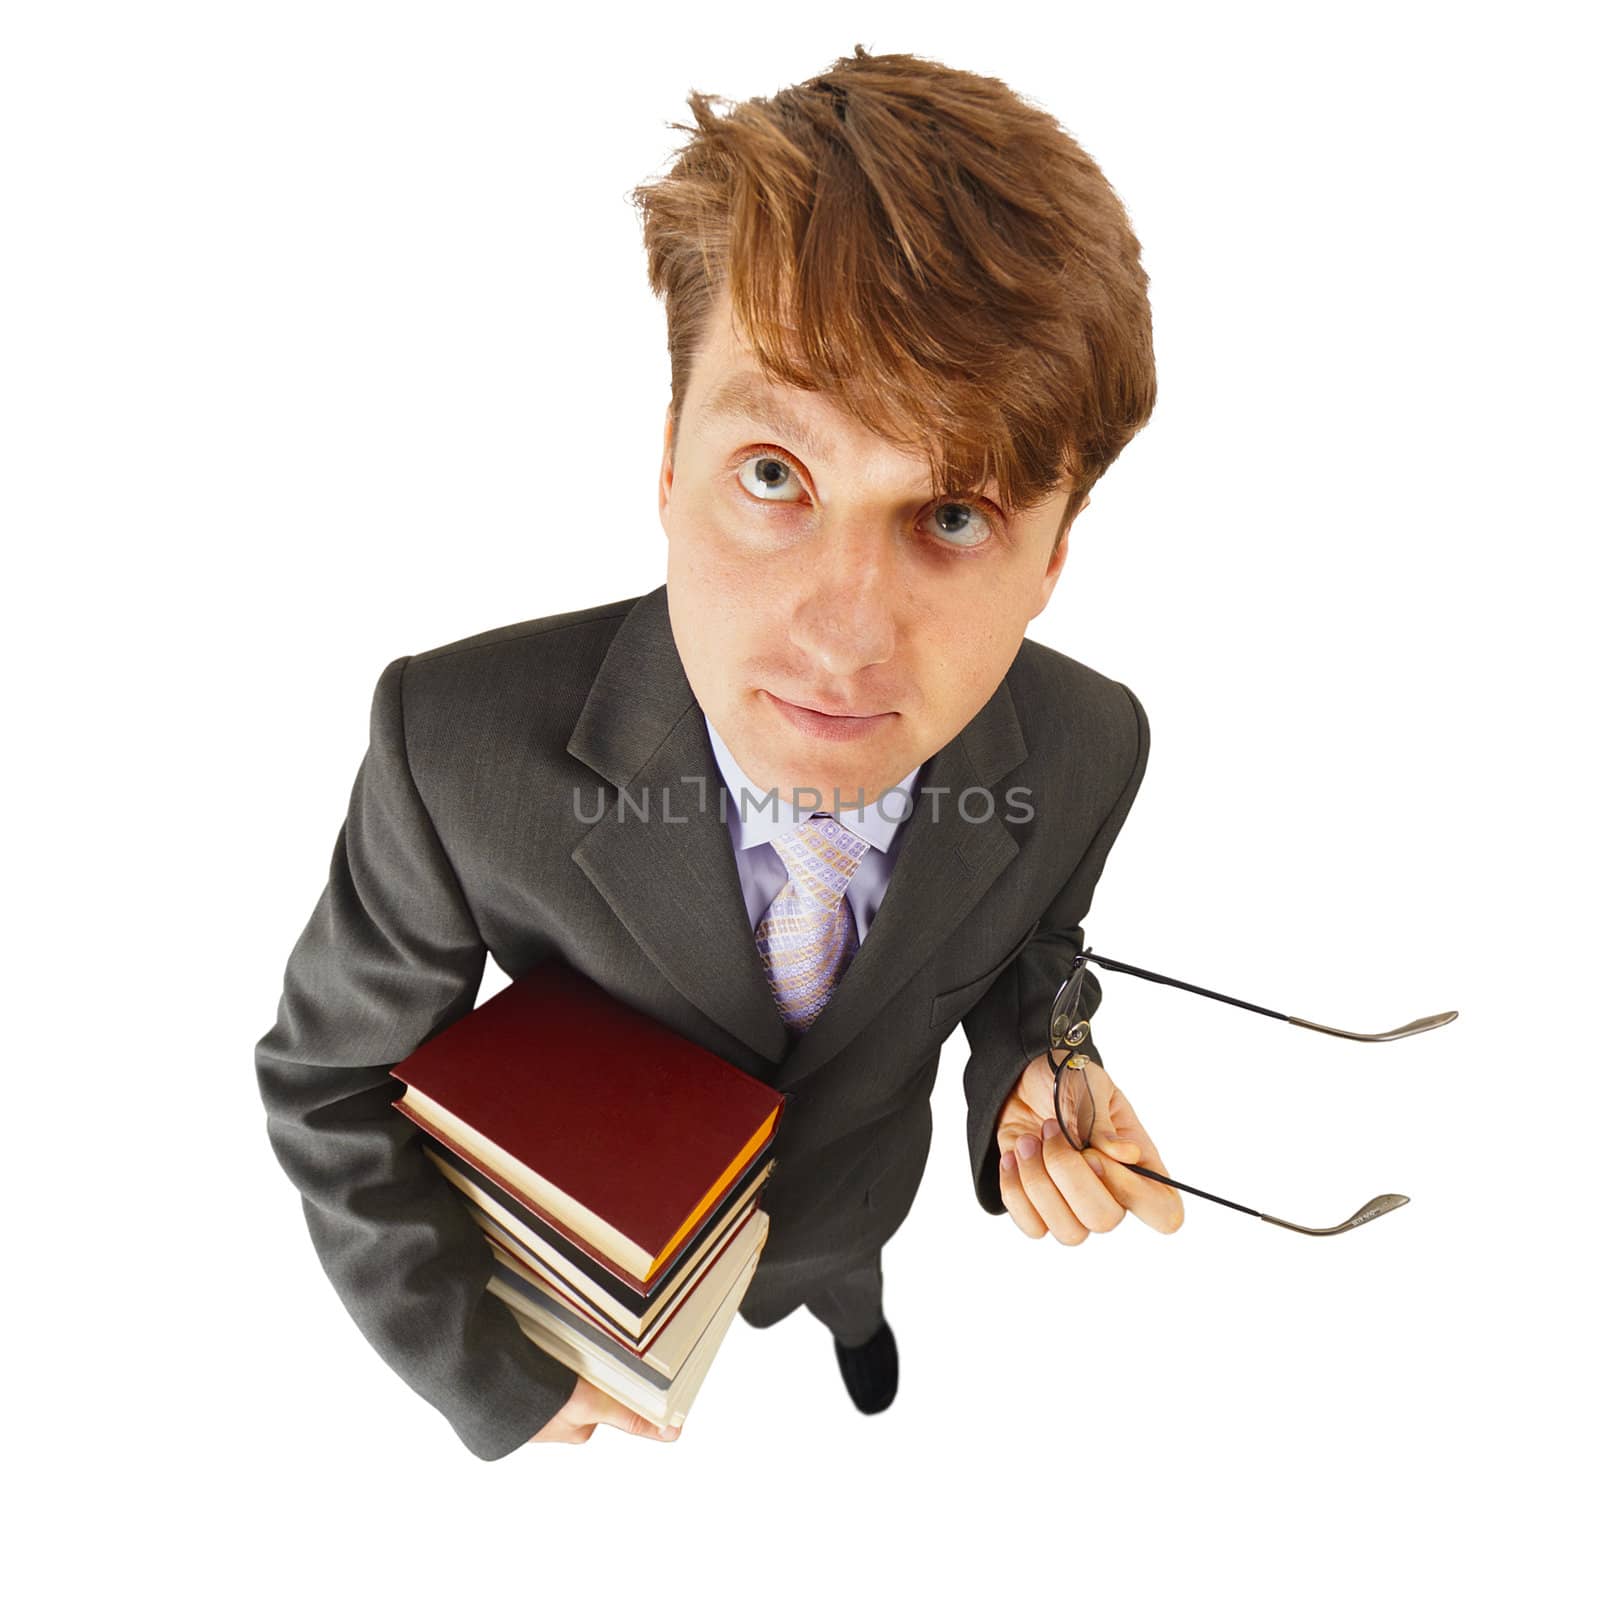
x,y
1378,1206
1421,1025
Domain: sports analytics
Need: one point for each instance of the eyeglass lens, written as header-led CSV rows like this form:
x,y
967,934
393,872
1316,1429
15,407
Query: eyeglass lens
x,y
1074,1099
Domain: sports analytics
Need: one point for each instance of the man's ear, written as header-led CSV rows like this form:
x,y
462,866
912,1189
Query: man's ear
x,y
664,485
1058,560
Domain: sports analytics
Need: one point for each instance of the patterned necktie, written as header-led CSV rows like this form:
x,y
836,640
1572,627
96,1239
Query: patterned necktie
x,y
808,935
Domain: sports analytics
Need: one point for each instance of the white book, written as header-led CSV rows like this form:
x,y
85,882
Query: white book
x,y
553,1302
667,1408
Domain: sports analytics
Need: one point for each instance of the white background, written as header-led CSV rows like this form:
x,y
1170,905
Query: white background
x,y
327,340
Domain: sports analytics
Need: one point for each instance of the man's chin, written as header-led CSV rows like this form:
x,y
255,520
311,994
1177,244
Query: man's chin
x,y
838,789
802,763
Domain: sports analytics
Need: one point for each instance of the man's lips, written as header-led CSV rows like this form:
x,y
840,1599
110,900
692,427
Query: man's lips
x,y
828,725
824,710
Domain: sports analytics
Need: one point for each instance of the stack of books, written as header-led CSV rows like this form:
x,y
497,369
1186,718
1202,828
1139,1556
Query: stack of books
x,y
616,1169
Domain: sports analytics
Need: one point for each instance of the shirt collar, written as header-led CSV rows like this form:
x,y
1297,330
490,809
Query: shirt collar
x,y
763,816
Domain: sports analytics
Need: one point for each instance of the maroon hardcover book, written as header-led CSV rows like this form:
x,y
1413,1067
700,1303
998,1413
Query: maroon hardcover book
x,y
622,1132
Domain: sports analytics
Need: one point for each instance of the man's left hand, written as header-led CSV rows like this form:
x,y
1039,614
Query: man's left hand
x,y
1069,1193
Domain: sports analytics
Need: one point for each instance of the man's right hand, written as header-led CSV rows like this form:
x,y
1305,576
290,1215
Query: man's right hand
x,y
587,1407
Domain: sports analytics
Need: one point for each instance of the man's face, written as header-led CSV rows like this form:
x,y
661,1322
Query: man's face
x,y
809,566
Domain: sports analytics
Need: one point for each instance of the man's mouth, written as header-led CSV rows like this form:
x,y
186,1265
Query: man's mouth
x,y
829,724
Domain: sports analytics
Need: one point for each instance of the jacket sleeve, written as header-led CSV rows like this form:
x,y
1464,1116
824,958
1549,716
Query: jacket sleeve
x,y
1009,1026
390,957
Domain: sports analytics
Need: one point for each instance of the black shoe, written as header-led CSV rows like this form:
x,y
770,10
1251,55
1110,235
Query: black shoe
x,y
871,1371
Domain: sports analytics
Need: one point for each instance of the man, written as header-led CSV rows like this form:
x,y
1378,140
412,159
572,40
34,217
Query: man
x,y
894,384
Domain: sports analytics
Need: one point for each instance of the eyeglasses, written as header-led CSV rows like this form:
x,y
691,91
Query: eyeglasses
x,y
1069,1025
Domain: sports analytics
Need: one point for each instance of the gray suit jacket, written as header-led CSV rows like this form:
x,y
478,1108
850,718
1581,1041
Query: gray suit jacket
x,y
472,831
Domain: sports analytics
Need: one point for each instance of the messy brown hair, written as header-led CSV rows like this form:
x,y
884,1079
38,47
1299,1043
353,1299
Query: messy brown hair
x,y
932,251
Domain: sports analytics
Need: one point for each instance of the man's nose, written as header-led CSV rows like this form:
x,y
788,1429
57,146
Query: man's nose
x,y
845,619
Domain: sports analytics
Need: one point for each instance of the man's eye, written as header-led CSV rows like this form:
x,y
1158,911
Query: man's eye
x,y
968,527
767,476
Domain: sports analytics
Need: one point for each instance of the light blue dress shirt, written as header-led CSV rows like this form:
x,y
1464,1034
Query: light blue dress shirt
x,y
760,818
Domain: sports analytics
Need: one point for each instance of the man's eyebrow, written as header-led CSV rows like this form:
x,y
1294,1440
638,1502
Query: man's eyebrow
x,y
747,396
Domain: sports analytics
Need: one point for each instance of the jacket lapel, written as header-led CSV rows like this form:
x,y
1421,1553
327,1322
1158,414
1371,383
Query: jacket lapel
x,y
662,857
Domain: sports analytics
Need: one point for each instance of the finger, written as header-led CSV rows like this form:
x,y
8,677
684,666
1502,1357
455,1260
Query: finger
x,y
1119,1146
1117,1129
1041,1188
1124,1139
1072,1172
1157,1205
612,1412
1016,1200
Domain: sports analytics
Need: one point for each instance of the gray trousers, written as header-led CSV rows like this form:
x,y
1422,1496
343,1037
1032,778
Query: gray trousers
x,y
851,1306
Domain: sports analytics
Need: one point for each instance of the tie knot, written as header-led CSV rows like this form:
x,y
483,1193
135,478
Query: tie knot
x,y
821,854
